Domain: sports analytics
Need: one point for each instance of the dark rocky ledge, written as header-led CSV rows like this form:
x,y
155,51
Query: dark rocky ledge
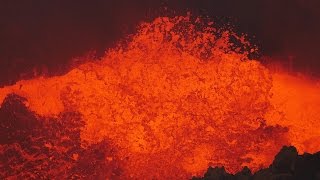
x,y
287,165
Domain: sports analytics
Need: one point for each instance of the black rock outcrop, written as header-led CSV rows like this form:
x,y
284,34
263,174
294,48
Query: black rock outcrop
x,y
287,165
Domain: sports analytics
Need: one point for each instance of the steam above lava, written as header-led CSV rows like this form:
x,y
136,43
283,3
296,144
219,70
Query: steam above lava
x,y
179,96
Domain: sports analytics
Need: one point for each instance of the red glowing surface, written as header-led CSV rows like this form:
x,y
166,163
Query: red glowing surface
x,y
177,98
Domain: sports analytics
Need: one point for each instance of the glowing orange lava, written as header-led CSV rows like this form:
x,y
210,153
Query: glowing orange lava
x,y
178,97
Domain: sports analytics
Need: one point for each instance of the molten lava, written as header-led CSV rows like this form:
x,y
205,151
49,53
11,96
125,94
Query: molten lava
x,y
180,96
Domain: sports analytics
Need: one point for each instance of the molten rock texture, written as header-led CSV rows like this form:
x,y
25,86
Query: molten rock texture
x,y
287,165
177,97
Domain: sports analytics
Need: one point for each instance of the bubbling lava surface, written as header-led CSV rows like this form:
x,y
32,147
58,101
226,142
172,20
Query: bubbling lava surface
x,y
178,97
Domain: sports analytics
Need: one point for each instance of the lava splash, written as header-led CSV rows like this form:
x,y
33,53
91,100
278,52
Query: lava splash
x,y
177,97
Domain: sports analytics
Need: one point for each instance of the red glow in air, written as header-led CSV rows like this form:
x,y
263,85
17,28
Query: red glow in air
x,y
178,97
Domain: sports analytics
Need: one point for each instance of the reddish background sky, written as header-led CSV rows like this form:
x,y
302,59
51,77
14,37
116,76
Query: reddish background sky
x,y
38,33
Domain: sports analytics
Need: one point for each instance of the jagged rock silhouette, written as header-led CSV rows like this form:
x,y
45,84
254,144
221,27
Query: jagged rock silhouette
x,y
287,165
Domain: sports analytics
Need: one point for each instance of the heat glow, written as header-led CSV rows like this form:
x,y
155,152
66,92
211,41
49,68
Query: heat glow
x,y
178,97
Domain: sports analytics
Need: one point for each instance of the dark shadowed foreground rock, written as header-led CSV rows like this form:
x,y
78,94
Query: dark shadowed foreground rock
x,y
287,165
33,147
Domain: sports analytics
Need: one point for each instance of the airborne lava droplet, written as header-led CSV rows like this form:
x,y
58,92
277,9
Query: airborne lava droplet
x,y
175,99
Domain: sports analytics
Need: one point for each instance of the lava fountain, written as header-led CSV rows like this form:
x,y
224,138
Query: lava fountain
x,y
177,97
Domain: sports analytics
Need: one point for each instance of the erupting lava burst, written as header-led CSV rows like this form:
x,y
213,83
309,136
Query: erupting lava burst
x,y
178,97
